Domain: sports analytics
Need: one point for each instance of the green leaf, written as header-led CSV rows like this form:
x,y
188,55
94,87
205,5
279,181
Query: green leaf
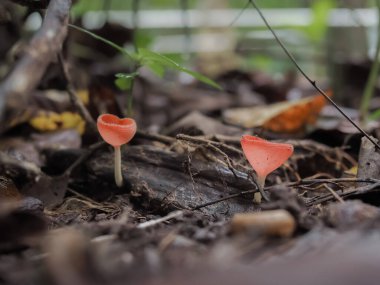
x,y
156,68
150,58
146,56
143,39
319,25
124,80
155,61
202,78
108,42
127,75
375,115
123,84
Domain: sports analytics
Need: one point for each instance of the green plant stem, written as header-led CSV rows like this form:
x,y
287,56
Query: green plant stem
x,y
130,100
186,27
135,11
371,82
107,4
135,66
112,44
118,175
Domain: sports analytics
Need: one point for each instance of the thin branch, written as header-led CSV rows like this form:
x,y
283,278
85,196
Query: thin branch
x,y
151,223
336,196
155,137
240,194
356,191
89,151
374,184
312,82
239,14
205,141
332,180
78,104
27,73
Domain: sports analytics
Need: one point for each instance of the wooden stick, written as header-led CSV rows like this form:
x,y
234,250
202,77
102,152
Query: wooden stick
x,y
29,70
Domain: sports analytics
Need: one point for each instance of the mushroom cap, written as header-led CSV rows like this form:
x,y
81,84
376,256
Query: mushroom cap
x,y
116,131
265,156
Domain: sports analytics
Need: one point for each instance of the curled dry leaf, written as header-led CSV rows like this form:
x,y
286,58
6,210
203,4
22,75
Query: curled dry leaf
x,y
286,117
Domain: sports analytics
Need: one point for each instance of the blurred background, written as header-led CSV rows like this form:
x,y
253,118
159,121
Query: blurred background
x,y
334,41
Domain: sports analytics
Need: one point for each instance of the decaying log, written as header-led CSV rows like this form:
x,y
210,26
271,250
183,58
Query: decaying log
x,y
166,180
42,50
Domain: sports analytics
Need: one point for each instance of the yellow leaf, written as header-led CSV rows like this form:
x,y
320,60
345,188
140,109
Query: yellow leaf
x,y
51,121
83,95
352,171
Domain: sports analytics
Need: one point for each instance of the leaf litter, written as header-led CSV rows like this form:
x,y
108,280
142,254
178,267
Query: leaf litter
x,y
185,212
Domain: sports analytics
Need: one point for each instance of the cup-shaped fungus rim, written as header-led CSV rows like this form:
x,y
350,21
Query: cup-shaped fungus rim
x,y
116,131
265,156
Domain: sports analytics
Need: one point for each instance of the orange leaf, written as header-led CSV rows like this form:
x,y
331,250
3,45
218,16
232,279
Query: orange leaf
x,y
298,116
285,117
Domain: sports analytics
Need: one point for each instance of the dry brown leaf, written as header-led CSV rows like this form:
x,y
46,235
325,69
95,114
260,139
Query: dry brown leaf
x,y
286,117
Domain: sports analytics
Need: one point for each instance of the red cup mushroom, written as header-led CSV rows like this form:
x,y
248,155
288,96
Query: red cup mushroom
x,y
116,132
264,157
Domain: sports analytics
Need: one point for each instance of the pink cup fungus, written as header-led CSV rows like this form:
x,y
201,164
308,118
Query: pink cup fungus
x,y
264,157
116,132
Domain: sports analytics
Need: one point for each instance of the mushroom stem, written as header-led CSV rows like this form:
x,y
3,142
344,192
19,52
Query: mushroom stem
x,y
260,182
118,176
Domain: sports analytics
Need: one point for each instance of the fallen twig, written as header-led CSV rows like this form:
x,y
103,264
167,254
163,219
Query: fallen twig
x,y
332,180
155,137
240,194
78,104
27,74
210,142
336,196
83,157
151,223
374,184
355,191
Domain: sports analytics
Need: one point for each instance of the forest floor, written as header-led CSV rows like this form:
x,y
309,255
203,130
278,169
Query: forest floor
x,y
185,212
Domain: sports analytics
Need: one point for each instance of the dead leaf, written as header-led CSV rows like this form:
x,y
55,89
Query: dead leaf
x,y
52,121
49,189
196,123
8,190
286,117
